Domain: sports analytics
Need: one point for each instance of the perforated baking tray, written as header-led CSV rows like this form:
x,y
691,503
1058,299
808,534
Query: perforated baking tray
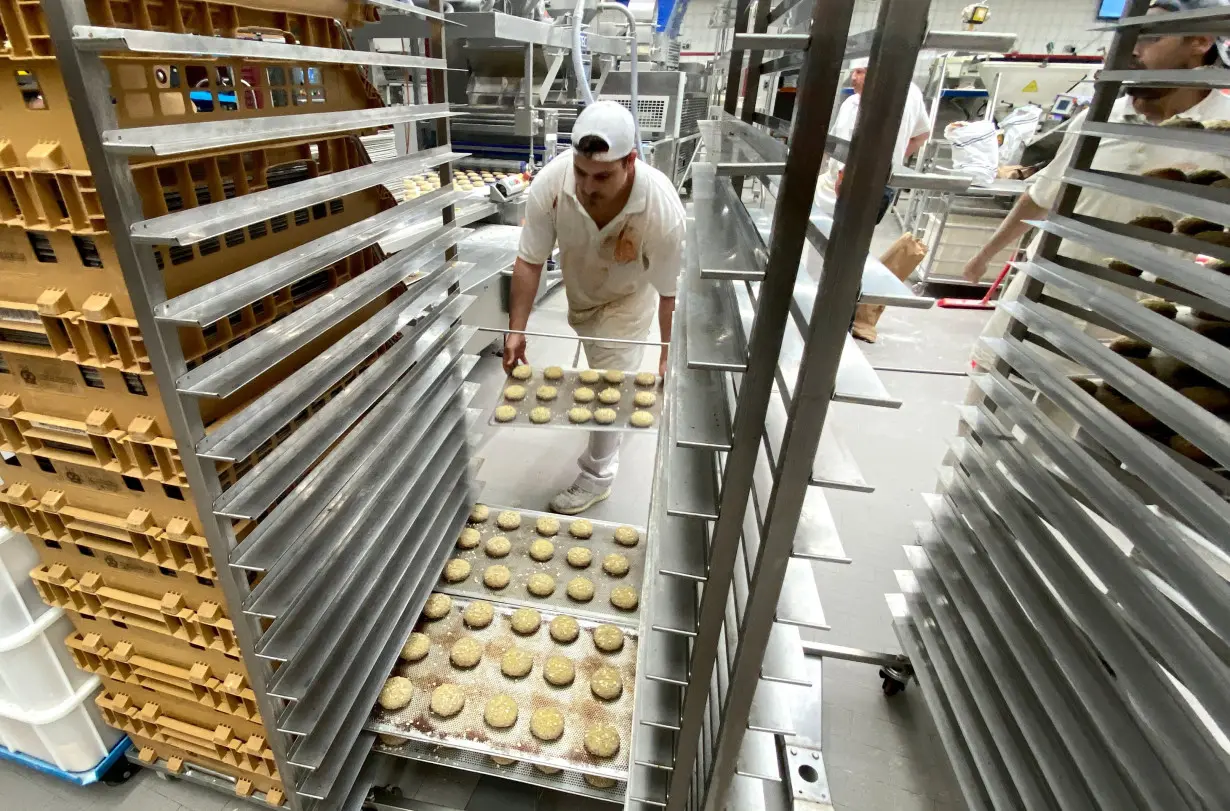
x,y
521,566
522,772
469,731
564,401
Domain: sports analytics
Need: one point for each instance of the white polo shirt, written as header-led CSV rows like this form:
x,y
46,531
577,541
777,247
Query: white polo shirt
x,y
1129,157
641,249
915,121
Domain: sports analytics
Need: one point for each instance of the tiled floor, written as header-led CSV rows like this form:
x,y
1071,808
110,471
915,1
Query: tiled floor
x,y
882,755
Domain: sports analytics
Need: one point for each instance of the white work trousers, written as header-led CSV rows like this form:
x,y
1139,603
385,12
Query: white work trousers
x,y
629,319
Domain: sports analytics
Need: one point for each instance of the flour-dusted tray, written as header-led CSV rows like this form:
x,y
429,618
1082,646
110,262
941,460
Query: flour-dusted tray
x,y
469,731
521,566
565,389
521,771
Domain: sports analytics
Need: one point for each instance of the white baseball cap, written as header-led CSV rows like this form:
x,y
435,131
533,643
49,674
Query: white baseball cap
x,y
610,121
862,62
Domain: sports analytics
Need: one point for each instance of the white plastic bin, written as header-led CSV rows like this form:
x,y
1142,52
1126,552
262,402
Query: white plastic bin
x,y
71,735
36,669
20,604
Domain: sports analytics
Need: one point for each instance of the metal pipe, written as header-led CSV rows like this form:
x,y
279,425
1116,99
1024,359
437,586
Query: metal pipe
x,y
636,111
578,64
993,100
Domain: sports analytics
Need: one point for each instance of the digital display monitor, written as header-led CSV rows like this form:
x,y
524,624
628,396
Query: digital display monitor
x,y
1110,9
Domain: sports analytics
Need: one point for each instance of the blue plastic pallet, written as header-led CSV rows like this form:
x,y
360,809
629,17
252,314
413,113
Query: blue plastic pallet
x,y
80,778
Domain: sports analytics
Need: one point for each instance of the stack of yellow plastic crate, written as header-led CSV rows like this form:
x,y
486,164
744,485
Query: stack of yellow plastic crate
x,y
91,473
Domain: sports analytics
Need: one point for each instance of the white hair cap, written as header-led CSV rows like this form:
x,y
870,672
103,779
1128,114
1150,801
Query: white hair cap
x,y
861,62
610,121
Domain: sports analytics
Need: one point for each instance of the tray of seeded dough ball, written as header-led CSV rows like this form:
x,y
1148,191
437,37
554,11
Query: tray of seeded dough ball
x,y
593,569
541,687
590,399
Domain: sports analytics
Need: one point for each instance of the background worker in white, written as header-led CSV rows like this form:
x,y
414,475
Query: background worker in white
x,y
914,131
1139,105
620,228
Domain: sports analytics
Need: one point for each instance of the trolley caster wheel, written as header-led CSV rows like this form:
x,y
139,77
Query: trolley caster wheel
x,y
891,684
119,773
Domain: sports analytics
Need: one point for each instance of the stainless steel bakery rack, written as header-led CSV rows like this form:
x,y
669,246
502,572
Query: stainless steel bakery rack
x,y
1066,608
758,352
347,519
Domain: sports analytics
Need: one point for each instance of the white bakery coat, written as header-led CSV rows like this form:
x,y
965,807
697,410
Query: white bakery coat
x,y
1113,155
610,274
915,121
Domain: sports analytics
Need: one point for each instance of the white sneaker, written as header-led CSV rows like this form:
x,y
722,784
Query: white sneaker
x,y
577,499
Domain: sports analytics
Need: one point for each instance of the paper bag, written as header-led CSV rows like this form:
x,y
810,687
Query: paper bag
x,y
901,258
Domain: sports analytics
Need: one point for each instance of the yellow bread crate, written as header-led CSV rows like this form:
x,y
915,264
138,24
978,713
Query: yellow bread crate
x,y
89,593
128,663
246,758
176,759
39,131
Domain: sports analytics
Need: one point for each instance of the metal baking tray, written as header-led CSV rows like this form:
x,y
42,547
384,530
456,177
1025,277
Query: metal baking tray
x,y
468,731
521,772
521,566
563,401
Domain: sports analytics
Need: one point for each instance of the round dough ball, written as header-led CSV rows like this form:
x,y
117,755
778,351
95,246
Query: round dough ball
x,y
546,392
645,399
599,782
581,528
615,564
392,740
447,700
627,536
416,648
508,520
396,693
478,614
540,415
523,372
505,413
609,396
558,670
465,653
579,557
579,415
581,589
438,606
542,550
501,712
553,373
526,621
589,376
545,769
606,683
468,539
496,577
641,419
608,639
516,663
541,585
646,379
503,761
514,393
565,629
583,395
625,597
479,513
602,740
547,724
613,376
457,570
605,416
498,547
547,525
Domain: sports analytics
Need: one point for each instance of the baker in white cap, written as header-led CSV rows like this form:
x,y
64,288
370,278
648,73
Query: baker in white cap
x,y
620,229
914,131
